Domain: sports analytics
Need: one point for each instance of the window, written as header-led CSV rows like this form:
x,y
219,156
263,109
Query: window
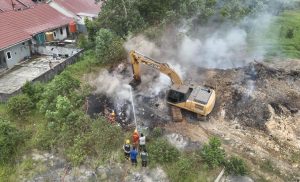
x,y
54,33
8,55
61,31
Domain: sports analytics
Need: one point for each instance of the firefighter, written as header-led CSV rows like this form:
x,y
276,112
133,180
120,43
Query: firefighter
x,y
112,117
135,138
144,157
133,156
126,149
142,142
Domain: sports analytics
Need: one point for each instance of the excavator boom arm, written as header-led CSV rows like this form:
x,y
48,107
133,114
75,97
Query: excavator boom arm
x,y
137,58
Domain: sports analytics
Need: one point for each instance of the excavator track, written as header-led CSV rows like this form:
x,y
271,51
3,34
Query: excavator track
x,y
176,114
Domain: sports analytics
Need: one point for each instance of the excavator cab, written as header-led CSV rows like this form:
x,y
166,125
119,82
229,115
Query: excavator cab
x,y
179,93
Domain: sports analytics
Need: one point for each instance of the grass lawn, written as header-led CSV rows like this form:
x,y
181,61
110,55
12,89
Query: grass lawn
x,y
284,33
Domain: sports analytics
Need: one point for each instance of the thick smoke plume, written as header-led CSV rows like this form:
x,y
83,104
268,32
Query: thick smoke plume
x,y
213,45
112,84
209,46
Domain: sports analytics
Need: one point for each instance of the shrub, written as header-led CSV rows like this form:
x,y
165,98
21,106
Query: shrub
x,y
105,138
10,138
162,152
45,138
212,154
290,33
33,90
184,167
19,106
235,166
156,133
62,112
109,47
77,152
63,85
83,42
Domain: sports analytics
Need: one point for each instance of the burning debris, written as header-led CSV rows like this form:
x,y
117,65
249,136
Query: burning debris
x,y
244,94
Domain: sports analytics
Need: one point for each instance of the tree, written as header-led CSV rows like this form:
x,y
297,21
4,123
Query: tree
x,y
92,28
10,138
212,154
19,106
63,111
235,166
109,47
120,16
63,84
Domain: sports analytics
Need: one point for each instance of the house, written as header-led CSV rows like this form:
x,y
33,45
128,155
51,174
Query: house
x,y
9,5
21,30
79,10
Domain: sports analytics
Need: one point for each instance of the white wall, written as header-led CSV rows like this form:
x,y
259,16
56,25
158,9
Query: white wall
x,y
50,50
18,53
82,19
58,34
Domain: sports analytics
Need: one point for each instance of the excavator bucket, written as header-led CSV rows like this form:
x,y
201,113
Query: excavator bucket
x,y
134,83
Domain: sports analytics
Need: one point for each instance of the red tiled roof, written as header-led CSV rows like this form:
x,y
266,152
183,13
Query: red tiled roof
x,y
18,26
80,6
6,5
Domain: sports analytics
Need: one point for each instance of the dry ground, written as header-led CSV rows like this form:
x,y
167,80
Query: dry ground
x,y
256,115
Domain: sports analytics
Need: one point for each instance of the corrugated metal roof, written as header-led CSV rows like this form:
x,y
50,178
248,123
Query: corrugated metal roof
x,y
7,5
18,26
80,6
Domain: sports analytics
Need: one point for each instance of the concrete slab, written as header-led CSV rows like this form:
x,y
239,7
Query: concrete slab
x,y
14,79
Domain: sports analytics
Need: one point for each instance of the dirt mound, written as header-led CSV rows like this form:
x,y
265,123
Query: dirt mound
x,y
245,93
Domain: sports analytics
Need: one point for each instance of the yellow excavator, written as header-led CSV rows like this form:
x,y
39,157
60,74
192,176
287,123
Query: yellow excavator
x,y
194,98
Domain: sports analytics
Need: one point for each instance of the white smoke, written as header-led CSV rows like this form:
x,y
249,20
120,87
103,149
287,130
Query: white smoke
x,y
220,50
113,84
163,81
141,44
213,45
209,46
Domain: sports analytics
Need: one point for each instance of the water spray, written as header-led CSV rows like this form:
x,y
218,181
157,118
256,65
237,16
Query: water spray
x,y
133,107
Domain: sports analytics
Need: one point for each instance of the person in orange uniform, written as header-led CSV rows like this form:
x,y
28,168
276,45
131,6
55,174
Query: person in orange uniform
x,y
135,138
112,117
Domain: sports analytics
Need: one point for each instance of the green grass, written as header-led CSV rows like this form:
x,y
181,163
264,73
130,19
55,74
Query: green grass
x,y
283,36
86,64
179,166
3,112
7,173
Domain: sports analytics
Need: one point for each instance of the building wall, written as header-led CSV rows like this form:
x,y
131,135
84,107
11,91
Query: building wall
x,y
58,35
50,50
81,23
17,53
